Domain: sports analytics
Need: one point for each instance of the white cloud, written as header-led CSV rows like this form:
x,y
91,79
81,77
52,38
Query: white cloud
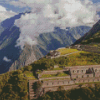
x,y
17,4
97,6
4,14
2,9
6,59
47,14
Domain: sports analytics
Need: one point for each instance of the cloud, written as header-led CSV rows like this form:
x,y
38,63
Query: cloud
x,y
2,9
17,4
47,14
6,59
97,5
4,14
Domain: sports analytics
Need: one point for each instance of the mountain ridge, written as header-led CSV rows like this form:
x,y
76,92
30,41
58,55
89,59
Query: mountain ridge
x,y
46,42
93,30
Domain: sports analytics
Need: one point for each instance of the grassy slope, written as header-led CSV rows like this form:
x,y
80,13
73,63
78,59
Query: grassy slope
x,y
64,51
93,40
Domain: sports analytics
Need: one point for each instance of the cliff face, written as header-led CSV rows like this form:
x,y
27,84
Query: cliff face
x,y
9,34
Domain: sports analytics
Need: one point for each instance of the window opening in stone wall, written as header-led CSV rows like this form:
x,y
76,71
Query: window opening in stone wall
x,y
82,71
77,71
73,71
82,76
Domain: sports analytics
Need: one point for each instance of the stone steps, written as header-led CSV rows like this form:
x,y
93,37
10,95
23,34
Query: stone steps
x,y
31,90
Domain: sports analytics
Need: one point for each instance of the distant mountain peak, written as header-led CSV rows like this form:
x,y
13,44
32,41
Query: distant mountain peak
x,y
9,33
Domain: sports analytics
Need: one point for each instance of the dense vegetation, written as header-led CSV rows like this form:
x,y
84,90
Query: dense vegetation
x,y
86,93
13,86
80,58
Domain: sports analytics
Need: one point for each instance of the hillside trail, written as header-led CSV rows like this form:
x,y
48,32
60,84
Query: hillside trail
x,y
66,54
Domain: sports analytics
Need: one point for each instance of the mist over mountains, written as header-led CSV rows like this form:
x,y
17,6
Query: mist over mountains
x,y
45,15
49,25
12,57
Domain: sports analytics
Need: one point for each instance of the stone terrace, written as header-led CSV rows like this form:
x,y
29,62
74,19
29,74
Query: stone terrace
x,y
76,75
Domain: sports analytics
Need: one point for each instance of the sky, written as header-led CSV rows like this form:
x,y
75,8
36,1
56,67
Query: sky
x,y
10,5
47,14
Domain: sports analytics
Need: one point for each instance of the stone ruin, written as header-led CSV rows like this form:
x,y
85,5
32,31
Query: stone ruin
x,y
76,75
53,54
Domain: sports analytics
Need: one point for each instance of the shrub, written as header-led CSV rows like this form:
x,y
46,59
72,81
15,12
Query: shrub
x,y
28,68
60,88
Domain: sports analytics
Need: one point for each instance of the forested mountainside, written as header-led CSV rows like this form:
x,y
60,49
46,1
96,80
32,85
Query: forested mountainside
x,y
17,58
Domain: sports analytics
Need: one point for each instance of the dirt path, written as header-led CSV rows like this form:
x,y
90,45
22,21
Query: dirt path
x,y
70,53
65,55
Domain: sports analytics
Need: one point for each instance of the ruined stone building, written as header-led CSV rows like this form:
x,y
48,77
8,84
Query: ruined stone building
x,y
75,76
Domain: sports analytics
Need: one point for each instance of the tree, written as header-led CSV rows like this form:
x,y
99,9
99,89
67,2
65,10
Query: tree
x,y
60,88
80,85
46,97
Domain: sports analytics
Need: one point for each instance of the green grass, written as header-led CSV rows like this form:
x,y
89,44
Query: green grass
x,y
64,51
31,78
62,74
29,75
53,75
83,58
57,68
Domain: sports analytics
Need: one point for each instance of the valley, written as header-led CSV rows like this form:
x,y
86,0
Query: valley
x,y
46,41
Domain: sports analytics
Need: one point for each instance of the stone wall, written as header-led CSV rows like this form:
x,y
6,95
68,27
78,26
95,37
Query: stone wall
x,y
50,78
65,87
67,84
82,76
78,74
57,83
51,72
74,70
97,74
78,71
96,69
